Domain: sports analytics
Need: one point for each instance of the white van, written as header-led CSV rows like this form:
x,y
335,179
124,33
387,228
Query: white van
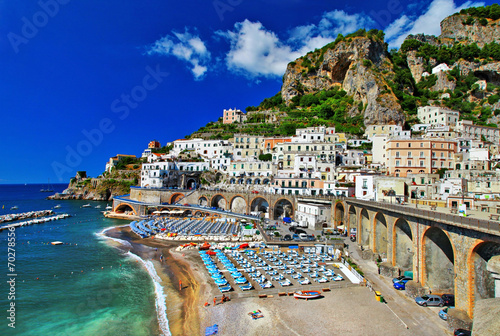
x,y
303,236
303,224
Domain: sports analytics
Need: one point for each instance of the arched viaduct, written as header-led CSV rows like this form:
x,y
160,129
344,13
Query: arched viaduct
x,y
446,253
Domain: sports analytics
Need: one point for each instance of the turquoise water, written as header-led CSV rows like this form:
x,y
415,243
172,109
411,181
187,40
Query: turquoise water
x,y
88,286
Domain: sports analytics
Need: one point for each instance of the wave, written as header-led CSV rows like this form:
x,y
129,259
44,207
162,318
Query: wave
x,y
102,234
160,299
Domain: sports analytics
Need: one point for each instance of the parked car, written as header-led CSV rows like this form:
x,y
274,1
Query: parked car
x,y
401,278
303,236
295,237
429,300
400,285
443,313
311,238
462,332
286,237
292,228
299,231
448,299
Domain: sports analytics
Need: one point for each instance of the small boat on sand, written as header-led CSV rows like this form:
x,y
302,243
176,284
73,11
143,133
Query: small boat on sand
x,y
306,295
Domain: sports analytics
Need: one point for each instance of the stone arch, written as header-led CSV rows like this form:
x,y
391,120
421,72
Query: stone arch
x,y
122,207
176,197
248,181
232,181
191,183
241,181
283,208
402,245
365,229
380,234
339,214
198,214
256,181
259,204
238,204
203,201
218,201
351,219
266,181
480,281
438,260
187,212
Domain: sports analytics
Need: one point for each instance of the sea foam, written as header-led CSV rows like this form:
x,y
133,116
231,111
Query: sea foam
x,y
161,307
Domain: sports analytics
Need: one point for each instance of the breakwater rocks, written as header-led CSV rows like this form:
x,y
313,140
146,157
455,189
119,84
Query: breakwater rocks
x,y
25,215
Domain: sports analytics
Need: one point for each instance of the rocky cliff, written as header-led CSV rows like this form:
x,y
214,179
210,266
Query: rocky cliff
x,y
360,65
464,28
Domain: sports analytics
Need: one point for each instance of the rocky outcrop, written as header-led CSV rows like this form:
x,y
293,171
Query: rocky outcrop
x,y
443,83
454,29
357,66
431,39
416,65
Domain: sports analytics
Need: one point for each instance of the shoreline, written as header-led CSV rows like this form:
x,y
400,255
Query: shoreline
x,y
182,305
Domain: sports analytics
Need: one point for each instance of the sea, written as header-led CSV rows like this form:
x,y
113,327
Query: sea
x,y
90,285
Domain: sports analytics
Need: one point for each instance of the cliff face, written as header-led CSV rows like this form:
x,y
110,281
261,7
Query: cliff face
x,y
455,29
416,65
360,66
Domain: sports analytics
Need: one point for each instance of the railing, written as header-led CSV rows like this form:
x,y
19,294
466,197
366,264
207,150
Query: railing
x,y
484,225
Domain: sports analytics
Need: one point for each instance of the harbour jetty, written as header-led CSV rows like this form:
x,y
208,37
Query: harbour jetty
x,y
35,221
25,215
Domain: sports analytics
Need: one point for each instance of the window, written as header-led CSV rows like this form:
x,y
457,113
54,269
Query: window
x,y
409,154
397,144
421,154
397,163
421,144
397,154
409,144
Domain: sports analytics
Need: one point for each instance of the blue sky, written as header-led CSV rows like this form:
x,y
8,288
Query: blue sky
x,y
81,81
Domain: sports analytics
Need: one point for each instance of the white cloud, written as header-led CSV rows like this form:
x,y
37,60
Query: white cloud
x,y
427,23
256,51
395,28
185,47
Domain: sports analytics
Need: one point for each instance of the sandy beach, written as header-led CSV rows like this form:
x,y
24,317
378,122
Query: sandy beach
x,y
351,310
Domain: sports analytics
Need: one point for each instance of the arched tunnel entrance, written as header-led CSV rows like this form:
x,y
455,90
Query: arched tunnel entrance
x,y
124,208
364,235
482,281
402,245
259,204
218,201
381,235
339,215
238,205
203,201
352,219
439,262
283,208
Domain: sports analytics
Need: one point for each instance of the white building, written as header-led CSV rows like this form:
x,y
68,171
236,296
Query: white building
x,y
313,216
365,187
436,115
390,130
357,142
206,148
468,129
440,67
156,174
379,151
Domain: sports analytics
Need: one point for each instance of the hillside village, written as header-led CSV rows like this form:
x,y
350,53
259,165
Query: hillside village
x,y
355,120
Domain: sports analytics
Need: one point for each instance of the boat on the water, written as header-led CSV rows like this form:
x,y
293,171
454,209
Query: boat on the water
x,y
306,295
98,207
109,207
14,207
57,206
56,243
49,188
86,206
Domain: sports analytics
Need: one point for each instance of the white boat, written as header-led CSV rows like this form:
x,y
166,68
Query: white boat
x,y
86,206
49,188
57,206
306,295
109,207
98,207
56,243
14,207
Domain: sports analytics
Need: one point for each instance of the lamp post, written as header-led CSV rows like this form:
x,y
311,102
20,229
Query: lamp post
x,y
416,198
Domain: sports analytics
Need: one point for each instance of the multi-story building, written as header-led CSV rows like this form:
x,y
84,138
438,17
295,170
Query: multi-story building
x,y
246,146
468,129
206,148
312,215
285,153
240,172
390,130
436,115
168,174
419,156
154,144
231,116
268,144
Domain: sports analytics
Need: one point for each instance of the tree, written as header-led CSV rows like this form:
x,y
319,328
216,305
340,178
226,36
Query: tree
x,y
265,157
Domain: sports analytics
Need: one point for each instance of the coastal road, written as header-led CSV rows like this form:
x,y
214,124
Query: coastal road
x,y
424,319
